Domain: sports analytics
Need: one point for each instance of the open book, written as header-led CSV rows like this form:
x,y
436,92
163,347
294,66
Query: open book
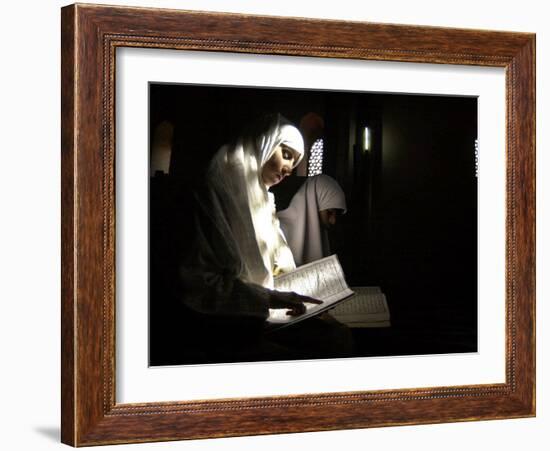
x,y
367,308
322,279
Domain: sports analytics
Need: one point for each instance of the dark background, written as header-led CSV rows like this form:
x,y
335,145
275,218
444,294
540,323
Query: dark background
x,y
411,226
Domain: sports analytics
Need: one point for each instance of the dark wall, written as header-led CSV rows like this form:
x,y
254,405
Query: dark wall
x,y
423,223
424,211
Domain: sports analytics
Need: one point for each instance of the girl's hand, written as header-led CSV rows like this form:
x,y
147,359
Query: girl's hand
x,y
290,300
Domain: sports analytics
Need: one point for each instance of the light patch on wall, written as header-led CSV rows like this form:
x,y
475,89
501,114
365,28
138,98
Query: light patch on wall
x,y
366,139
161,150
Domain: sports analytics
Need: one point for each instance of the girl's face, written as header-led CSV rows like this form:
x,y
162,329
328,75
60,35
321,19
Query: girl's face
x,y
329,217
279,165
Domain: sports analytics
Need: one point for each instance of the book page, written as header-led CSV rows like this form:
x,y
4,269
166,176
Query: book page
x,y
367,305
322,279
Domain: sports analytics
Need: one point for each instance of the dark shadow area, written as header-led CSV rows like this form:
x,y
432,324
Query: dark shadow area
x,y
410,228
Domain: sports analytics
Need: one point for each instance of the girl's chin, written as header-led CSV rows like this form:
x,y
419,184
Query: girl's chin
x,y
272,181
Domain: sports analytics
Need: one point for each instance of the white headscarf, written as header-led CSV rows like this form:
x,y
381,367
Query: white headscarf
x,y
248,208
300,222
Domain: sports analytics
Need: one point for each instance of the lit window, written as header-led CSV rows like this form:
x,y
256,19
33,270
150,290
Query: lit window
x,y
315,164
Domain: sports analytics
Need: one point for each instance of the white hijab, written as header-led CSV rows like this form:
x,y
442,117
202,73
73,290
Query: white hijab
x,y
300,222
248,208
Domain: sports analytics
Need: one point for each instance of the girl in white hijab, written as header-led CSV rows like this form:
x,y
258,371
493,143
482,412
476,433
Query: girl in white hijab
x,y
239,245
311,212
241,174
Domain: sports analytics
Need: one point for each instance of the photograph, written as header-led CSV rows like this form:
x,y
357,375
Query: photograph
x,y
293,224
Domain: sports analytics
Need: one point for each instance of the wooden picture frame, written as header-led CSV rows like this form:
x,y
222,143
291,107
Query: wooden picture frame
x,y
90,36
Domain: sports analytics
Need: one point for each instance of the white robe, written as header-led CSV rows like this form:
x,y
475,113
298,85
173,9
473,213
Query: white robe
x,y
300,222
238,234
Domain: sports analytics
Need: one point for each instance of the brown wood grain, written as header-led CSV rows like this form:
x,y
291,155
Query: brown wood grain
x,y
68,312
90,36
